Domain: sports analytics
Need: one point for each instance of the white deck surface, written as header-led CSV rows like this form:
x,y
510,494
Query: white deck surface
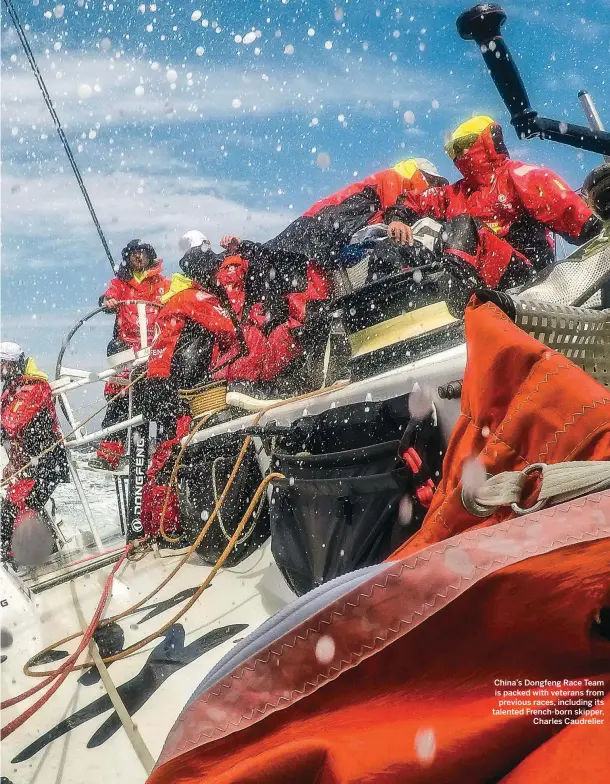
x,y
238,596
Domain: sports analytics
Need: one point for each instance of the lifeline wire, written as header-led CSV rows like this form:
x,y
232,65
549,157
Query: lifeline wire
x,y
64,140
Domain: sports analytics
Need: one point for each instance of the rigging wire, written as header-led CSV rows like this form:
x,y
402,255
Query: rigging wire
x,y
64,140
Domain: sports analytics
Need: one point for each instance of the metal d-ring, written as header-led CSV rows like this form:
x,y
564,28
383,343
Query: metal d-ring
x,y
539,504
473,507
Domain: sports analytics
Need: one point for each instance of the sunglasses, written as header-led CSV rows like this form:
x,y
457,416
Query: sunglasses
x,y
456,147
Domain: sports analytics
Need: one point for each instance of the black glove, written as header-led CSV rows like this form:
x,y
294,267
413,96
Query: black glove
x,y
460,283
500,299
158,400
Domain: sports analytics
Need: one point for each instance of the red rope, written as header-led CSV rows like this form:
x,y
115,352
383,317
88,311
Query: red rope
x,y
412,459
65,668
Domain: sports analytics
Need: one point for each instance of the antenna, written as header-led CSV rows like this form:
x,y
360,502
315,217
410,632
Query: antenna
x,y
592,115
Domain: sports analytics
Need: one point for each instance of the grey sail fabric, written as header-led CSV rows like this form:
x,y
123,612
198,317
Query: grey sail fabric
x,y
578,279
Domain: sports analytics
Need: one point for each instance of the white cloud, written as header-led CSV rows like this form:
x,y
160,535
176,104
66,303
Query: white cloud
x,y
210,96
19,324
151,192
159,208
142,188
41,336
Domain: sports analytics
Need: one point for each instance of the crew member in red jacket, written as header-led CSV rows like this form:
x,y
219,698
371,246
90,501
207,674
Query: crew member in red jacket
x,y
279,318
293,269
379,191
193,327
196,331
500,215
29,426
329,224
139,278
210,329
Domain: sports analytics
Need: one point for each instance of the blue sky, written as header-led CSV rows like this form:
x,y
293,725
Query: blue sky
x,y
177,124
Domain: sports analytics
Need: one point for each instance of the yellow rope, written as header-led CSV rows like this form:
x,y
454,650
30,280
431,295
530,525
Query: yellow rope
x,y
174,476
138,645
205,398
130,610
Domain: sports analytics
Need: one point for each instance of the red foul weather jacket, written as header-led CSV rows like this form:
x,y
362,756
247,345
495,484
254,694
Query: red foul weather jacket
x,y
29,426
232,274
270,350
188,312
519,202
150,288
383,189
191,313
328,225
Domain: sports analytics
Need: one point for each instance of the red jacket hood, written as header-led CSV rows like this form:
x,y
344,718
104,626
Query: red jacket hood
x,y
232,272
479,162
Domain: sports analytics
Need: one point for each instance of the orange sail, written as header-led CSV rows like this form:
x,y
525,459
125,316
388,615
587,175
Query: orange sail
x,y
405,673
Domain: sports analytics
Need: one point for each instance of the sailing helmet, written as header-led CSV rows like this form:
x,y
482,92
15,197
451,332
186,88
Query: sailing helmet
x,y
139,245
12,360
194,239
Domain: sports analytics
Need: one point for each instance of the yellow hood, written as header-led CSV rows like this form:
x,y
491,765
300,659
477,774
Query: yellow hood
x,y
179,283
31,371
476,125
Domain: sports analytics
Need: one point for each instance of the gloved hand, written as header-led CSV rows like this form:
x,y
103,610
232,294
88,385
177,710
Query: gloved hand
x,y
499,298
461,282
157,400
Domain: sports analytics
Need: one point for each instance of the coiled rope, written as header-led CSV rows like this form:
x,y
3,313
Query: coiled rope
x,y
130,610
205,398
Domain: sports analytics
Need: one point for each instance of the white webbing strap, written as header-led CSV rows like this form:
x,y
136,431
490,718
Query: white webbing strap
x,y
132,732
560,482
142,324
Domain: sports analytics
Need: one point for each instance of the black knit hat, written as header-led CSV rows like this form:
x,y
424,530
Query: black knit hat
x,y
139,245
